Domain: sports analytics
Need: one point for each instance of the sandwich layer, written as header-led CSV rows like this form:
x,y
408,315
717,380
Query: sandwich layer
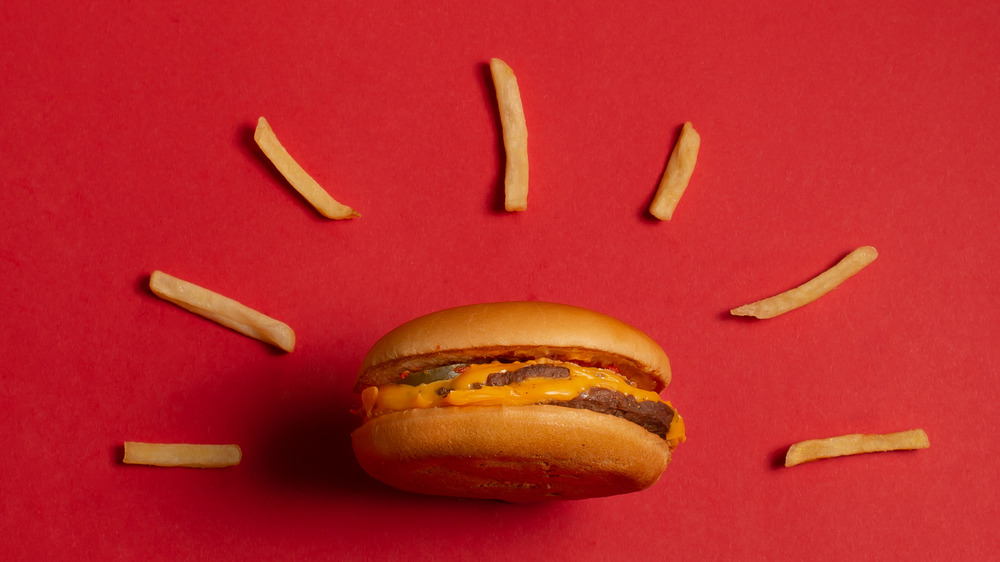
x,y
513,331
516,454
539,381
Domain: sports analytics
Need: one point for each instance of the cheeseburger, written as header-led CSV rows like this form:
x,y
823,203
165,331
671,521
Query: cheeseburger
x,y
517,401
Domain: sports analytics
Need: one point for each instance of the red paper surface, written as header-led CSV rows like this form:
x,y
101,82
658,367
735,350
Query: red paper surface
x,y
127,148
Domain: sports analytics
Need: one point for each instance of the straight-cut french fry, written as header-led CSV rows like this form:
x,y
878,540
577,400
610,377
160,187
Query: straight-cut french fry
x,y
515,136
309,188
182,455
677,174
810,290
222,310
854,444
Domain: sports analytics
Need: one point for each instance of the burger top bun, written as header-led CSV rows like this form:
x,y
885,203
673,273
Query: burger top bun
x,y
516,331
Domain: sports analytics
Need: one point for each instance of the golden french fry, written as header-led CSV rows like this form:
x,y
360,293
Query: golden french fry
x,y
182,455
854,444
312,191
677,174
812,289
222,310
515,136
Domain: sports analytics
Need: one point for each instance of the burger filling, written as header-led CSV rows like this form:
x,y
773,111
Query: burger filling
x,y
522,383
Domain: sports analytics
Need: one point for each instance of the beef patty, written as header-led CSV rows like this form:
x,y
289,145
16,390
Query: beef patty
x,y
654,416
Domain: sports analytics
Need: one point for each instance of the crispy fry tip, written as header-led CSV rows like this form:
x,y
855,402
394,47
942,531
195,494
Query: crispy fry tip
x,y
297,177
182,455
855,444
677,174
810,290
222,310
515,135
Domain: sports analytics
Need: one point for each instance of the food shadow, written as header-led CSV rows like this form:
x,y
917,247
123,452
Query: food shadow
x,y
304,444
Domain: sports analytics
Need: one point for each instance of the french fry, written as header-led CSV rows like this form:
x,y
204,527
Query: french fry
x,y
677,174
182,455
854,444
222,310
515,136
309,188
810,290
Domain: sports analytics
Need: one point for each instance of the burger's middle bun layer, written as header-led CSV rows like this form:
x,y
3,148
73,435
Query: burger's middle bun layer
x,y
510,331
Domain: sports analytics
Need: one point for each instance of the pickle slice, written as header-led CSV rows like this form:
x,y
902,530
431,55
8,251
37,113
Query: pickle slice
x,y
416,378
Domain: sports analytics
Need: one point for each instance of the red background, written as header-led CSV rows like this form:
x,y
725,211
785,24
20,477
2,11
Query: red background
x,y
127,147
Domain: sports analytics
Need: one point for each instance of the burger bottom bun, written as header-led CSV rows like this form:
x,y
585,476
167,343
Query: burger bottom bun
x,y
511,453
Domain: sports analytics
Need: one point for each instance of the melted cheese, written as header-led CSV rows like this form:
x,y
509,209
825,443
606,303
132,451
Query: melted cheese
x,y
469,389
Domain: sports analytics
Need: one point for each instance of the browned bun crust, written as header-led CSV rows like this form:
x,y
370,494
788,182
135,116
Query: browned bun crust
x,y
516,331
516,454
